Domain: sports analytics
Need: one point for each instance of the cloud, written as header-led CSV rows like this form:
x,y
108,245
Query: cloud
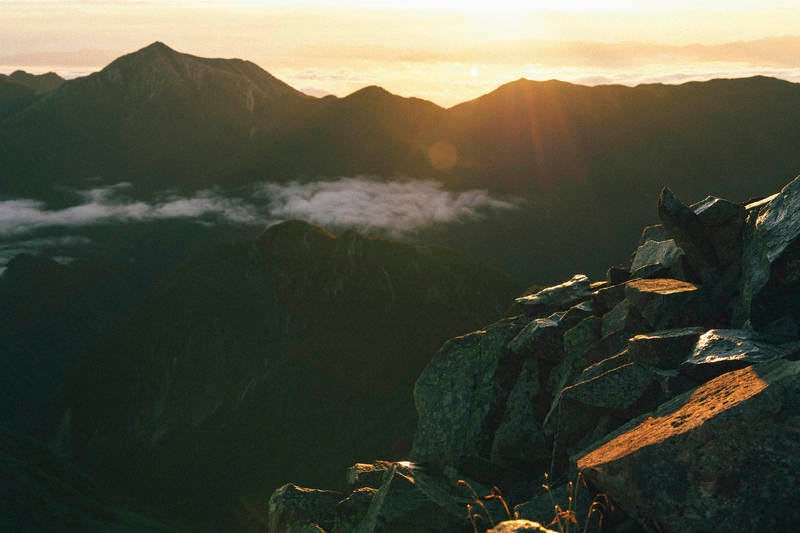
x,y
391,207
104,205
394,207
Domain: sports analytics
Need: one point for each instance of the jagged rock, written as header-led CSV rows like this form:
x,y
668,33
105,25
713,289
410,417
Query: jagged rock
x,y
655,258
519,526
596,404
656,232
605,299
621,318
724,456
689,233
542,336
520,438
351,511
664,349
666,303
367,474
617,275
557,297
721,350
293,508
774,226
724,222
410,500
462,393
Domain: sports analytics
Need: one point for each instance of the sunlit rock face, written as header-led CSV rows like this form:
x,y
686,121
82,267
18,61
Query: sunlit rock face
x,y
722,456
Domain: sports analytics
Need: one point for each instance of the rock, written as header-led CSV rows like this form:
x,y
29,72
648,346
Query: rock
x,y
519,526
351,511
666,303
665,349
689,233
656,258
617,389
461,394
294,508
622,318
723,457
656,232
724,222
604,300
367,474
542,336
592,407
721,350
616,275
558,297
520,439
774,224
411,500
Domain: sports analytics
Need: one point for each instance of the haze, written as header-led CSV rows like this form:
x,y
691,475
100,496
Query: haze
x,y
444,50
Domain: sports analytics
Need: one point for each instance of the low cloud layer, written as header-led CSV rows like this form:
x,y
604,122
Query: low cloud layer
x,y
393,207
106,205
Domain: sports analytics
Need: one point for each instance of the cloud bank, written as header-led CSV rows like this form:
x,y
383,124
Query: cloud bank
x,y
393,207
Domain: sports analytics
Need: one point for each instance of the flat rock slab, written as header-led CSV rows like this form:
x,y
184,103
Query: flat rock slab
x,y
665,302
721,350
722,457
666,349
558,297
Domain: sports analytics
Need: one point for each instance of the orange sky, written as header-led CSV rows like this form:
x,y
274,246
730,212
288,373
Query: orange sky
x,y
444,50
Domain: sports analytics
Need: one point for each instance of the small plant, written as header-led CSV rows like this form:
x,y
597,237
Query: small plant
x,y
566,518
477,510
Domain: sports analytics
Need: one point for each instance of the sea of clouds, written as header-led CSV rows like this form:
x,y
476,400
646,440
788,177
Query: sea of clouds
x,y
392,208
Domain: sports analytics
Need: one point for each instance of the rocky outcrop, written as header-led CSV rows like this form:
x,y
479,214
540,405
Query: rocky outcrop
x,y
722,457
638,384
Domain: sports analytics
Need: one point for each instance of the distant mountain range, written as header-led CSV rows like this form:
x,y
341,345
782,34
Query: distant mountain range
x,y
164,119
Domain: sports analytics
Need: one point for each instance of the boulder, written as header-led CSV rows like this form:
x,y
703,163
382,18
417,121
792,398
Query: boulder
x,y
623,317
519,526
665,349
411,500
351,511
656,232
558,297
724,222
721,350
520,439
542,336
666,303
657,258
462,393
367,474
774,224
293,508
605,299
722,457
689,233
617,274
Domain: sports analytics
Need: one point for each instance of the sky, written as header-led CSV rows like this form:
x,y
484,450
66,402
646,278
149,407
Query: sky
x,y
447,51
